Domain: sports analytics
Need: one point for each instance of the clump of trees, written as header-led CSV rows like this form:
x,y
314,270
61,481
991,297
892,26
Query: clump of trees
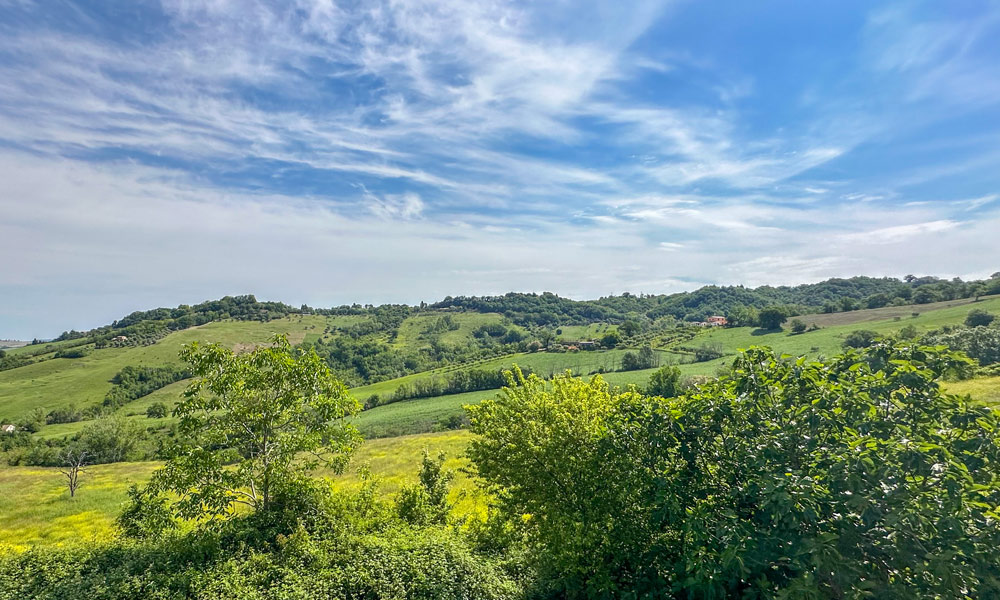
x,y
459,382
645,358
981,343
132,383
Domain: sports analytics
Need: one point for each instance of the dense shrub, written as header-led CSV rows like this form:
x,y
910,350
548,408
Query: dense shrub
x,y
980,343
861,338
310,544
857,478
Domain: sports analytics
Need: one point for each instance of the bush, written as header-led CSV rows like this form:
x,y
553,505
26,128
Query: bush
x,y
797,326
156,410
855,478
705,353
665,382
772,317
861,338
980,343
978,318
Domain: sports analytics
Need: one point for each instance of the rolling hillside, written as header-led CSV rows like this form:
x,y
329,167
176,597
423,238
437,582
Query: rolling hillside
x,y
38,510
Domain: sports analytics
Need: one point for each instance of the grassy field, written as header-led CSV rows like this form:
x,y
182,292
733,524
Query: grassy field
x,y
59,382
411,331
889,313
985,389
37,509
828,340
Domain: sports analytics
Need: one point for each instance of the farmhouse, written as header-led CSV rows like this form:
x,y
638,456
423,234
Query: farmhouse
x,y
8,428
717,321
119,339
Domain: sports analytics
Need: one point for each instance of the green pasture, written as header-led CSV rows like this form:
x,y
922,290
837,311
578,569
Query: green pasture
x,y
59,382
828,340
37,509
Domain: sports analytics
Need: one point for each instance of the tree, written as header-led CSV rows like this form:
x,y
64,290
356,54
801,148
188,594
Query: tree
x,y
925,295
978,318
664,382
74,462
611,338
772,317
156,410
279,408
797,326
629,328
851,478
427,502
861,338
743,316
110,439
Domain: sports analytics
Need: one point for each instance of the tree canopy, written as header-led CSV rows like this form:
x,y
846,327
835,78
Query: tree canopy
x,y
854,478
279,408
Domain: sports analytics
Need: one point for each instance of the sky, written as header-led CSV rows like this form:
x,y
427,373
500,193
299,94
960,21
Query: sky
x,y
320,152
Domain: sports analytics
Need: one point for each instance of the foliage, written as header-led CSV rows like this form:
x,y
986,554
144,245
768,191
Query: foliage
x,y
980,343
132,383
458,382
645,358
665,382
797,326
772,317
279,408
611,338
857,478
156,410
707,352
109,439
978,318
426,503
312,545
861,338
71,353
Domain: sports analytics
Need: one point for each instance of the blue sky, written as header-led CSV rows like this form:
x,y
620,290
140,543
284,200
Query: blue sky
x,y
158,153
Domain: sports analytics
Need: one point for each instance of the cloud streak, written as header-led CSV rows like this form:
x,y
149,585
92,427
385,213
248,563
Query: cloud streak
x,y
397,151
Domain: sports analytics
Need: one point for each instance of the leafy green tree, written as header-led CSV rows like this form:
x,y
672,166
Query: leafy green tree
x,y
664,382
978,317
925,295
981,343
797,326
109,439
427,502
772,317
629,328
279,408
156,410
855,478
611,338
743,316
861,338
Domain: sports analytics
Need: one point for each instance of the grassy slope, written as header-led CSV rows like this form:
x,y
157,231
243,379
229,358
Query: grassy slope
x,y
828,340
985,389
37,509
84,381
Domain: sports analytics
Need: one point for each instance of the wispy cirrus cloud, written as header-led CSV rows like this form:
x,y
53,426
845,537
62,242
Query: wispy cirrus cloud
x,y
416,149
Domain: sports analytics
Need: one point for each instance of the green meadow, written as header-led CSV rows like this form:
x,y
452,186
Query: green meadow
x,y
37,509
59,382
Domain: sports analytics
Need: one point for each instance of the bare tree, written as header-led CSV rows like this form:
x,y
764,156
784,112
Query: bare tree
x,y
75,462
